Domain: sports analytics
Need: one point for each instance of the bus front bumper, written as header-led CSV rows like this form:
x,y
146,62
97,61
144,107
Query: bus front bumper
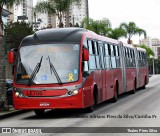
x,y
67,102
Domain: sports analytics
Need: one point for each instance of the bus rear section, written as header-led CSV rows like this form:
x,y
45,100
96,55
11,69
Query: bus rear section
x,y
142,68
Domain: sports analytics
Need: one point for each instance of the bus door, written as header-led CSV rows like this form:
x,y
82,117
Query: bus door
x,y
109,72
102,69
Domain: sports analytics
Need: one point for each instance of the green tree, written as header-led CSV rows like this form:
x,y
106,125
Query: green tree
x,y
116,33
101,27
8,3
87,23
104,26
150,55
77,25
14,33
56,7
131,29
148,50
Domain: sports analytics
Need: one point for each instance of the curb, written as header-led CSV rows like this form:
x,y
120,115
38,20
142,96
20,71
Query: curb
x,y
12,113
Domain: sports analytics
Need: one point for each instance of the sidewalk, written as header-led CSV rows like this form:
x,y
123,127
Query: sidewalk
x,y
10,112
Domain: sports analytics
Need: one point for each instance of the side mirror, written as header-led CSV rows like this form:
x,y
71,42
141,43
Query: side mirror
x,y
11,57
85,55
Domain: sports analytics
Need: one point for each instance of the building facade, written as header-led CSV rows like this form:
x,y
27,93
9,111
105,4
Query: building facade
x,y
149,41
156,50
23,11
73,17
78,12
153,43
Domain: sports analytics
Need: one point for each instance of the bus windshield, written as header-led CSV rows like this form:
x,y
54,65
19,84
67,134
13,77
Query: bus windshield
x,y
60,63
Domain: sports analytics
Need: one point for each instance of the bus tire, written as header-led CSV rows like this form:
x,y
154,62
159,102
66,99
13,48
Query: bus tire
x,y
134,88
39,112
144,86
115,97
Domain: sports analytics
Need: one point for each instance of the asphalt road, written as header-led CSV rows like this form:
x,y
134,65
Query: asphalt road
x,y
141,109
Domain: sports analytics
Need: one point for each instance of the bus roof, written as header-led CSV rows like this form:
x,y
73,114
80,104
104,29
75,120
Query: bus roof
x,y
72,34
140,49
128,45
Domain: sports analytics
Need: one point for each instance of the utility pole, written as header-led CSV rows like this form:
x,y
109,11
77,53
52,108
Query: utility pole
x,y
153,66
73,20
35,26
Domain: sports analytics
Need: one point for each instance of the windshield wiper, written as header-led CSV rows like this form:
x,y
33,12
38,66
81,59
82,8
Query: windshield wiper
x,y
35,71
52,68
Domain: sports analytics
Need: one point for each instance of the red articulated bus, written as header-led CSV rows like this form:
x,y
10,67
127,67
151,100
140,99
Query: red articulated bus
x,y
68,68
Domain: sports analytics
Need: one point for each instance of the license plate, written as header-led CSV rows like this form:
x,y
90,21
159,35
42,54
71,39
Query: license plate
x,y
44,104
34,93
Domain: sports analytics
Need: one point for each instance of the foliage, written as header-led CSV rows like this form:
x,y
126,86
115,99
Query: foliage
x,y
76,25
116,33
131,29
101,27
148,50
56,7
15,32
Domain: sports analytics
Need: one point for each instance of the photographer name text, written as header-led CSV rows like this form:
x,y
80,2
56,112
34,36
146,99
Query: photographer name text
x,y
119,116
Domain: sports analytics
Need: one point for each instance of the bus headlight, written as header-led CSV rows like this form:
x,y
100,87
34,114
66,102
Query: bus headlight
x,y
16,94
73,92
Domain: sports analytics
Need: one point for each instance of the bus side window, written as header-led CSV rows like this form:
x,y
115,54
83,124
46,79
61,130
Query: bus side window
x,y
117,56
101,53
92,61
113,59
93,48
130,57
127,57
85,63
109,52
140,62
90,47
97,48
85,43
143,59
106,56
97,54
133,58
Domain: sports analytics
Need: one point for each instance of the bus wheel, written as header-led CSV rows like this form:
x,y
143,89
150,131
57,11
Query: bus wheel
x,y
144,86
39,112
115,97
134,89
